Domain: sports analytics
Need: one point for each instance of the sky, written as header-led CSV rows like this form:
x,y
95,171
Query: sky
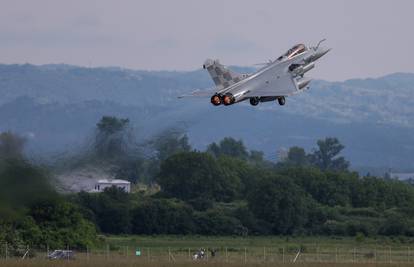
x,y
369,38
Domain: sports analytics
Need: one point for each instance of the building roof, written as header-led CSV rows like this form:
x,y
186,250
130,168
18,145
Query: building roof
x,y
115,181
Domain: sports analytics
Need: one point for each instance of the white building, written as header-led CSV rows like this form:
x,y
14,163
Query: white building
x,y
105,183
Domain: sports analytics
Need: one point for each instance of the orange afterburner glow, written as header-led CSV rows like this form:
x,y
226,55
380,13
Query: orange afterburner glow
x,y
227,100
215,100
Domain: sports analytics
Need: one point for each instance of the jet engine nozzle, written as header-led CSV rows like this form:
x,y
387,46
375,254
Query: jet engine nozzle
x,y
216,100
228,99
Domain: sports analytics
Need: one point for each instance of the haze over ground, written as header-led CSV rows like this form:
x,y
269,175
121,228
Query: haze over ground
x,y
369,38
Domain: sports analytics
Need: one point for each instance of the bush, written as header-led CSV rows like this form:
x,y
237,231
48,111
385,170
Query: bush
x,y
216,223
193,175
162,216
60,224
278,201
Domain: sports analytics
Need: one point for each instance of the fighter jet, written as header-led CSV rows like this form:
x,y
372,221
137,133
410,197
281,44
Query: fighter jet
x,y
277,80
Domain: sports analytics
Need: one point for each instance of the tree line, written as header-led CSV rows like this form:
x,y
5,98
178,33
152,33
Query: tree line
x,y
224,190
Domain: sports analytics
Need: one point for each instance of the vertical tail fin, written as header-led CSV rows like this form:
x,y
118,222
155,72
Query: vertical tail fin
x,y
222,76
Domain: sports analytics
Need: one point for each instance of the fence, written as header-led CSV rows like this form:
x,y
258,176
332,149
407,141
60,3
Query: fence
x,y
277,254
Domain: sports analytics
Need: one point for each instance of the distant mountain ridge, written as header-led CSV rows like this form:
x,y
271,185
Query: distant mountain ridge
x,y
57,106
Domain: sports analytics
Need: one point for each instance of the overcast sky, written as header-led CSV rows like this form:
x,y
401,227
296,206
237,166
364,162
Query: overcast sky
x,y
369,38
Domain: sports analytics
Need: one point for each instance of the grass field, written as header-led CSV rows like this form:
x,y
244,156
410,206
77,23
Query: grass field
x,y
259,241
236,251
270,249
37,263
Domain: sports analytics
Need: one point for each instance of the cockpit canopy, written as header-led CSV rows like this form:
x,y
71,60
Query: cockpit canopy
x,y
297,49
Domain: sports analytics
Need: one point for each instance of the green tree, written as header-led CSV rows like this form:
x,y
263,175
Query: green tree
x,y
215,222
246,173
110,210
297,156
326,157
32,212
278,201
328,188
169,143
21,183
11,145
256,156
60,224
112,137
162,216
192,175
228,147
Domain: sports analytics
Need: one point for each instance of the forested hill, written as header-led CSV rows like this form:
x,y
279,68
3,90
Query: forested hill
x,y
57,106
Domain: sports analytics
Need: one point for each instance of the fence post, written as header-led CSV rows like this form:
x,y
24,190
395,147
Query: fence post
x,y
87,253
283,254
107,251
27,252
354,256
390,254
245,255
227,257
317,254
169,254
336,254
6,251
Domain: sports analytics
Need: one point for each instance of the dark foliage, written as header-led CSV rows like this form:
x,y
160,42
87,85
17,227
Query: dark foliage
x,y
32,213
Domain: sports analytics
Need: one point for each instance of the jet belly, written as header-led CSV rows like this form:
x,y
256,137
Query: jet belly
x,y
261,79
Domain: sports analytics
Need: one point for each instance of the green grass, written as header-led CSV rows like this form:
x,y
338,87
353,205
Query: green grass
x,y
130,263
241,242
160,251
264,249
